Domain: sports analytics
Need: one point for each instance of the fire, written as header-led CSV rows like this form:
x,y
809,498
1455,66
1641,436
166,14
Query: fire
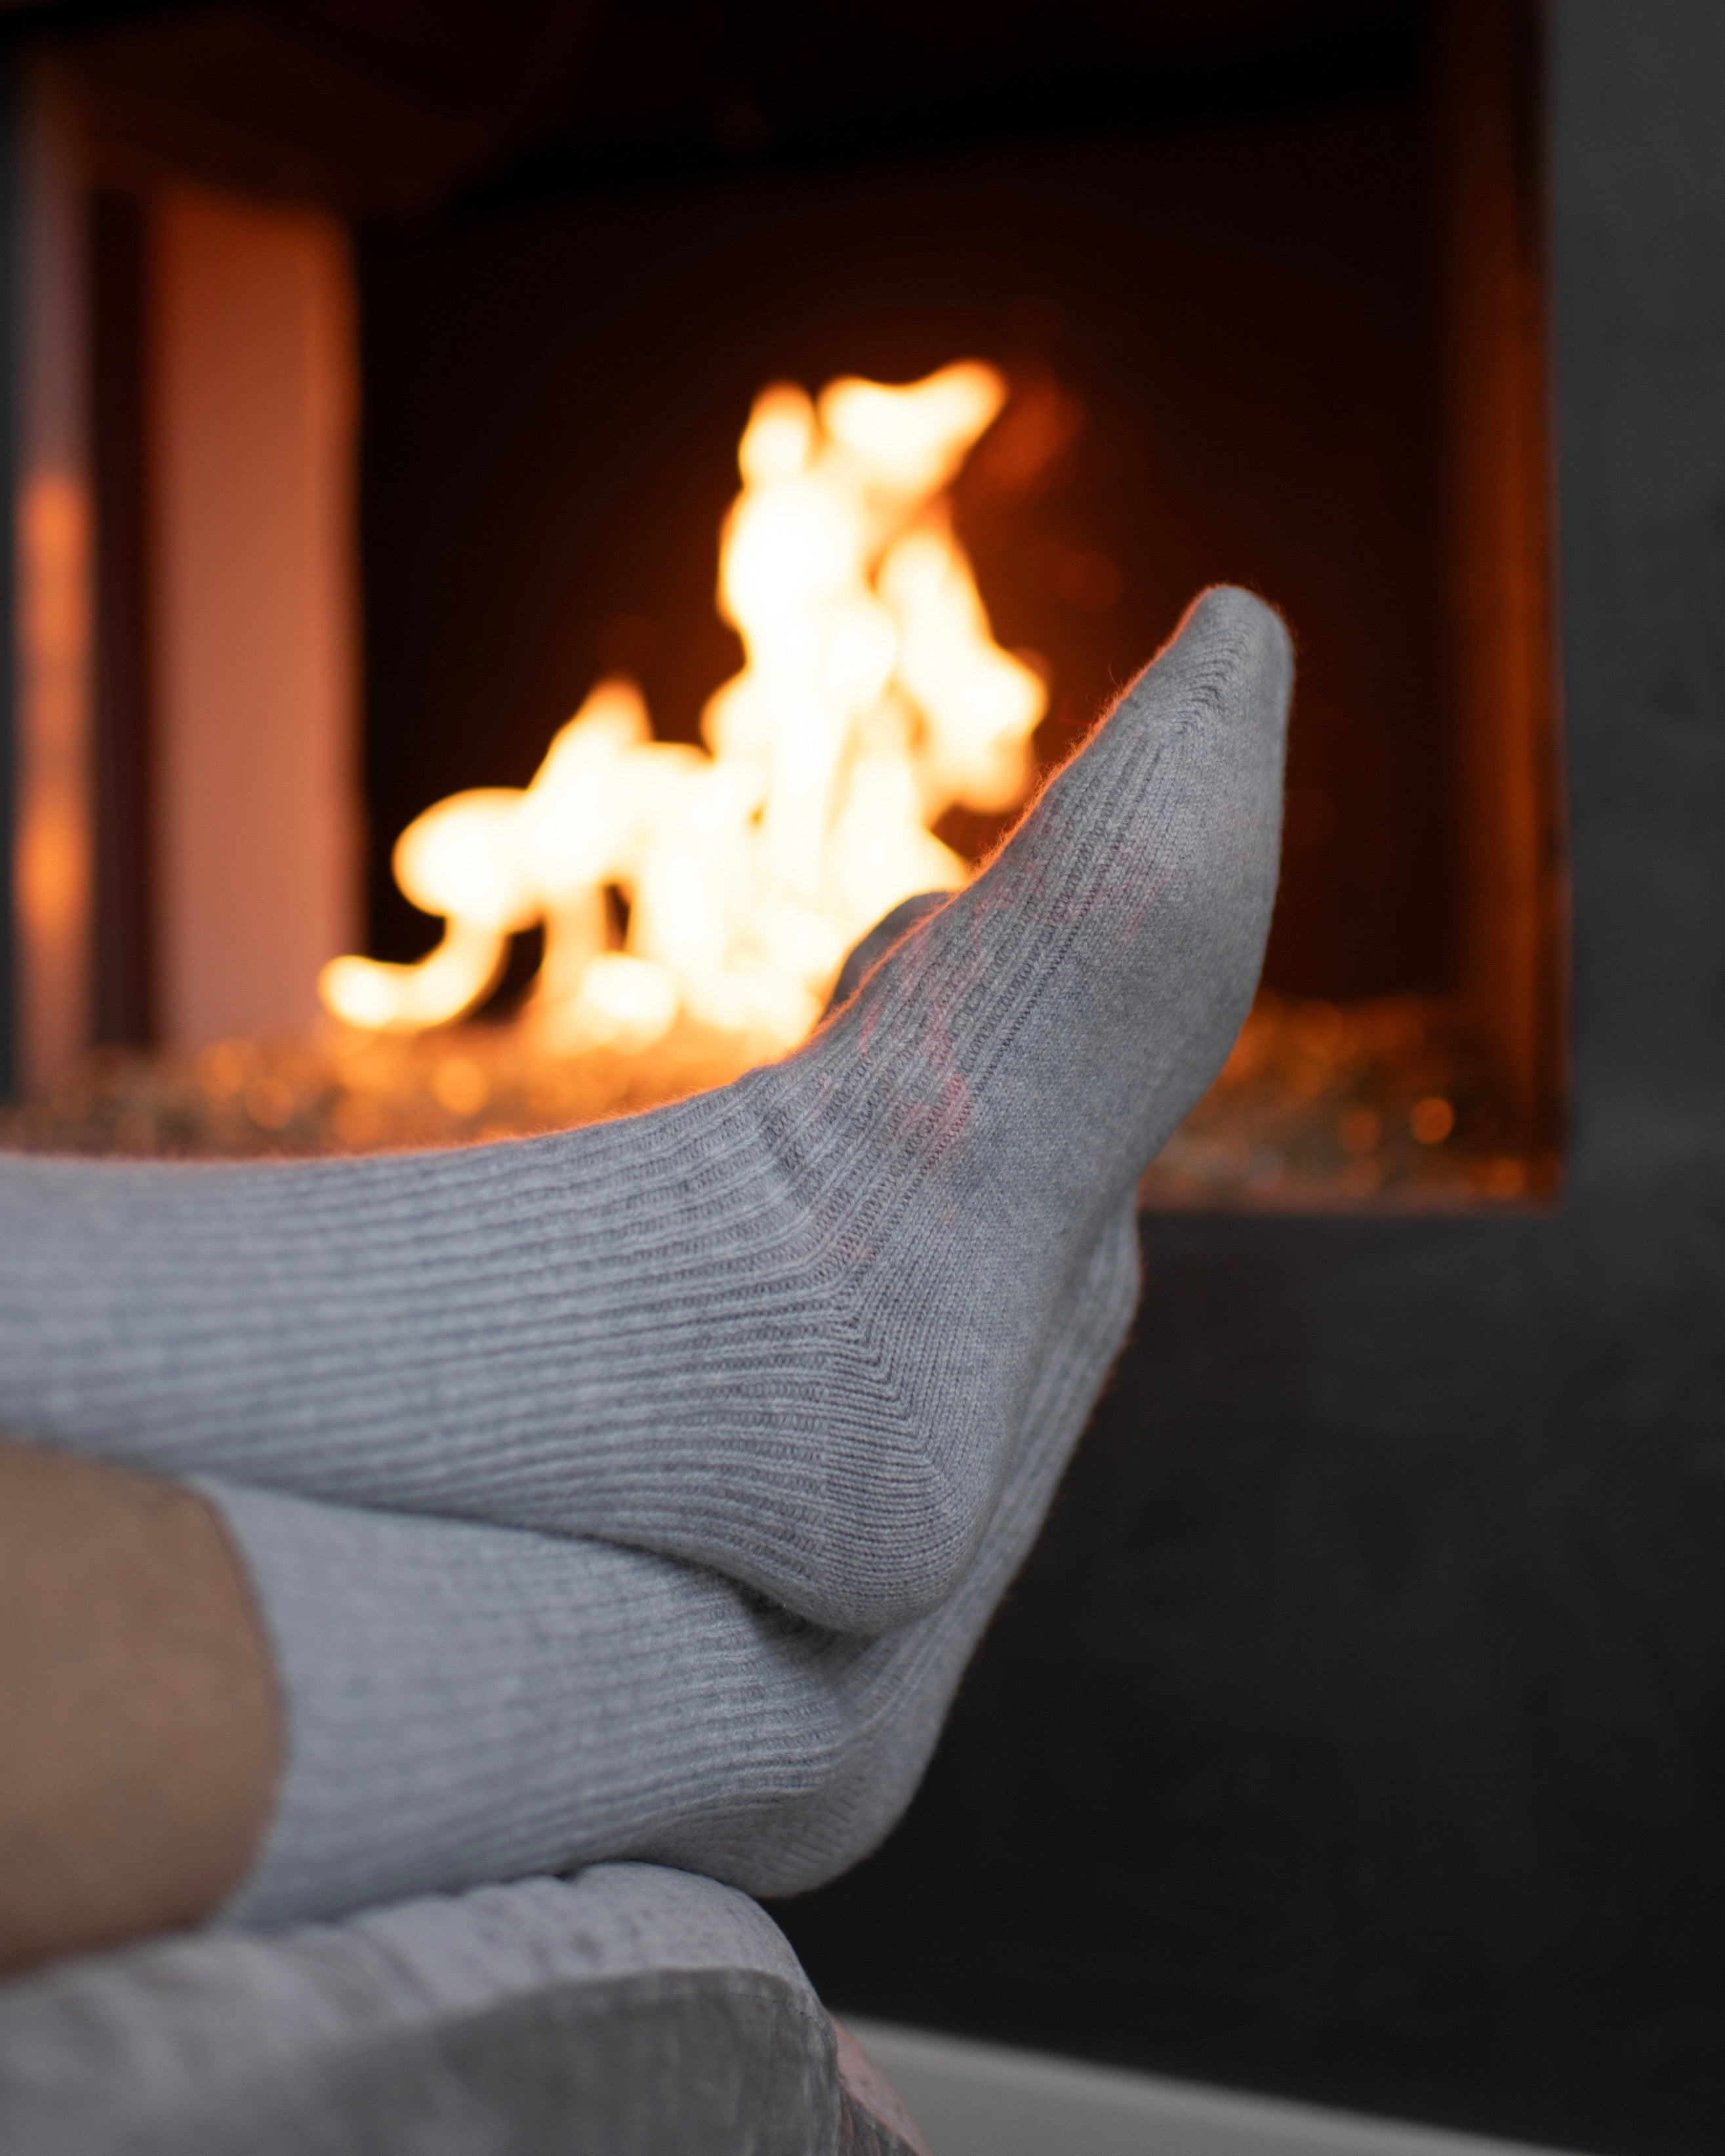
x,y
873,698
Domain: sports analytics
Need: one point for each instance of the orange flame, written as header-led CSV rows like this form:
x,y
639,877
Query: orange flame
x,y
873,698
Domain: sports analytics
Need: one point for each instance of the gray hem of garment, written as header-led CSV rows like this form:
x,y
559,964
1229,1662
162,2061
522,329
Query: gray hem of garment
x,y
630,2009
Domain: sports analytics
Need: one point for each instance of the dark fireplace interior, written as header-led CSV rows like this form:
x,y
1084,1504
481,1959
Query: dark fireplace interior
x,y
1200,392
1245,342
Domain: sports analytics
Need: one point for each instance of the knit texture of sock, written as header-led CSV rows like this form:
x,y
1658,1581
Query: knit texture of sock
x,y
465,1702
787,1330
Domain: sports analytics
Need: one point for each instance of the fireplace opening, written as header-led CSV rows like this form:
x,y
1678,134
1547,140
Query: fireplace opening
x,y
1278,324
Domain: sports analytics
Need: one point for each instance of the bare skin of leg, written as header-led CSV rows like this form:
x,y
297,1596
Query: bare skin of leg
x,y
140,1734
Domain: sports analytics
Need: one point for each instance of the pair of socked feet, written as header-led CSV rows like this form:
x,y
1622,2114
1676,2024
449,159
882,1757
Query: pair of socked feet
x,y
643,1490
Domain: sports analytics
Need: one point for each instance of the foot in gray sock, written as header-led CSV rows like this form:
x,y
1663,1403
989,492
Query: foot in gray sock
x,y
788,1330
465,1703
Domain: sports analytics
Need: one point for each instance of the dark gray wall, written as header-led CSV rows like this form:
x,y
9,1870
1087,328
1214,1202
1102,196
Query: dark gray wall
x,y
1359,1730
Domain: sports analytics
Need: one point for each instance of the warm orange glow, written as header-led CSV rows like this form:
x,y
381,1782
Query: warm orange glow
x,y
873,699
52,869
1432,1119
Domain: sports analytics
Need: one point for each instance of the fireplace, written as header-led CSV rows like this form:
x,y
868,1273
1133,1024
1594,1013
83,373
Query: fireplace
x,y
1282,325
1352,1732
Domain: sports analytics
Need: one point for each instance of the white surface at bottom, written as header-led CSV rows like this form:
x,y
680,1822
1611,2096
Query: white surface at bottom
x,y
986,2100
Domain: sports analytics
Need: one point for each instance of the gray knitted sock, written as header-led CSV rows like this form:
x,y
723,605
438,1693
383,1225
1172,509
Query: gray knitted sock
x,y
467,1702
786,1330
